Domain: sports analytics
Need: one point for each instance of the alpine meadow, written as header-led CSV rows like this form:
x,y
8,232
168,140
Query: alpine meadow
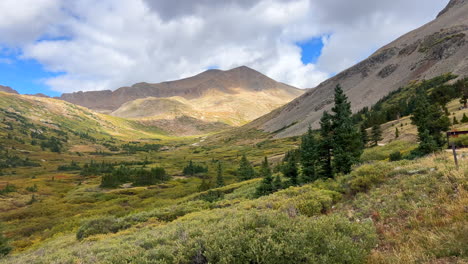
x,y
153,131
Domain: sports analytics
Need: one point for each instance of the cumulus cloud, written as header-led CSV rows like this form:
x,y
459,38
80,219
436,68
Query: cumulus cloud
x,y
107,44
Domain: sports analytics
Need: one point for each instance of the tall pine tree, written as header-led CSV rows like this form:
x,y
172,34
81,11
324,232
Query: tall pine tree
x,y
376,134
347,145
219,175
309,156
364,137
277,183
325,147
290,169
431,122
245,170
464,118
266,186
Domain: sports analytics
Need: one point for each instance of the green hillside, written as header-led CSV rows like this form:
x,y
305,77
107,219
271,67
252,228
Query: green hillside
x,y
82,187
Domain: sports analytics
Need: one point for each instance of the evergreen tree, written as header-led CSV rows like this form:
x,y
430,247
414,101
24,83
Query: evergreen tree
x,y
245,170
309,157
455,121
192,169
188,170
204,185
431,122
290,169
464,118
376,134
427,143
347,145
219,175
109,181
325,146
266,186
277,183
397,132
364,137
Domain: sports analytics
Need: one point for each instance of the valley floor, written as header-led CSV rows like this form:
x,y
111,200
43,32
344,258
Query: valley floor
x,y
55,210
383,212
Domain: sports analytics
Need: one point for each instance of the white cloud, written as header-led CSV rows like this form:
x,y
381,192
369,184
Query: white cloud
x,y
112,43
22,21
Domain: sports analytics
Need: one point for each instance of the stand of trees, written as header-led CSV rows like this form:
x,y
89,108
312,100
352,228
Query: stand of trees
x,y
431,121
192,169
139,177
336,147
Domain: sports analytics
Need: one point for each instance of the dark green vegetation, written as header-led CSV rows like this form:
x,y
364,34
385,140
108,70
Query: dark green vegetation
x,y
402,102
192,169
123,198
139,177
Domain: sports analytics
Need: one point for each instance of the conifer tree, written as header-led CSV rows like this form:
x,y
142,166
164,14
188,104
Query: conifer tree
x,y
364,137
376,134
464,118
325,147
309,156
204,185
427,143
290,169
455,121
219,176
277,183
347,145
245,170
431,122
266,186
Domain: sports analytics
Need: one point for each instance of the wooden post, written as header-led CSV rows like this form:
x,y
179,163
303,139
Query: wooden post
x,y
454,155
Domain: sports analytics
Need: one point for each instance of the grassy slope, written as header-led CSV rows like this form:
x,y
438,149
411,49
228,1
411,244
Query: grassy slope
x,y
416,210
69,117
46,229
65,198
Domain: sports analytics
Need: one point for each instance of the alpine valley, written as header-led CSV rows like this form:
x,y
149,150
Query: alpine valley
x,y
231,166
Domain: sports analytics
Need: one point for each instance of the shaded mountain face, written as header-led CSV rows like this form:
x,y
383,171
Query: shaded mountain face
x,y
7,89
436,48
205,89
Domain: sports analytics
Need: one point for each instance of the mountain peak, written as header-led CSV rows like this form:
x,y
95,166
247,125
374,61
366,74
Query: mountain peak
x,y
7,89
213,81
452,4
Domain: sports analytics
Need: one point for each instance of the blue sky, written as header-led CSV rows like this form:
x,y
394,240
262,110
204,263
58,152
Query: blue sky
x,y
311,50
24,75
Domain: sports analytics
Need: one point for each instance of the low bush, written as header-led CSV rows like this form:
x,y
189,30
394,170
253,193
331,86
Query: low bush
x,y
364,177
395,156
100,226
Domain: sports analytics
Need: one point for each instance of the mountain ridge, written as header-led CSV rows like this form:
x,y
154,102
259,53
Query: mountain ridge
x,y
433,49
189,88
8,89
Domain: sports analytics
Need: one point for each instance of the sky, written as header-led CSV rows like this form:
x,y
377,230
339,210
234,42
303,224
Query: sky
x,y
62,46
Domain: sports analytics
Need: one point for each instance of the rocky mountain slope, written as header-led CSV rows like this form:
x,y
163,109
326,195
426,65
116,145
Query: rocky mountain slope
x,y
7,89
234,97
436,48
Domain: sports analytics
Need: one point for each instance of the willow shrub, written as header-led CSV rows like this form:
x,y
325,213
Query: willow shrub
x,y
222,236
